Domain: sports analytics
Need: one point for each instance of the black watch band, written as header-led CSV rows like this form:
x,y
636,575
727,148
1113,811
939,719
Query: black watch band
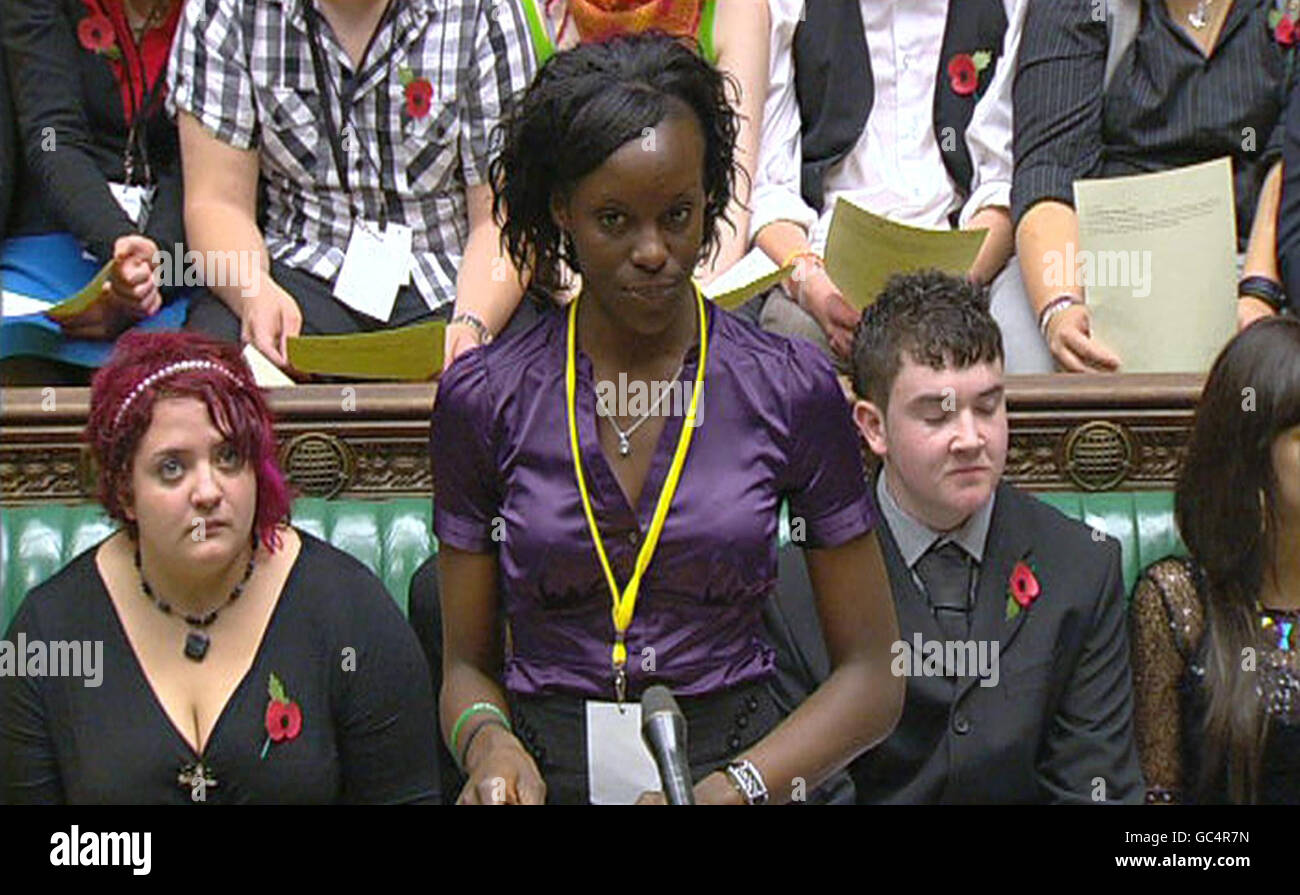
x,y
1270,292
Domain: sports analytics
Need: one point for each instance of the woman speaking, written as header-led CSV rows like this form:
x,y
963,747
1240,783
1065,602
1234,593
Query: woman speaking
x,y
634,542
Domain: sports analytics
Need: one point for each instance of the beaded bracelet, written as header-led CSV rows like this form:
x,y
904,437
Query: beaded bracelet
x,y
474,710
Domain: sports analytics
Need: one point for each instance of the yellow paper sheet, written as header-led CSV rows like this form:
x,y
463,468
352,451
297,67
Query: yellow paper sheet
x,y
408,353
1157,258
91,293
863,250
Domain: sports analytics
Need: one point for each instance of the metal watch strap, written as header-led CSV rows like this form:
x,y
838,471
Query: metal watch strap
x,y
748,781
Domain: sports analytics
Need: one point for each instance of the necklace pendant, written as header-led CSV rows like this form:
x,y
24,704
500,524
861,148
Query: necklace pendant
x,y
1199,19
196,777
624,448
196,645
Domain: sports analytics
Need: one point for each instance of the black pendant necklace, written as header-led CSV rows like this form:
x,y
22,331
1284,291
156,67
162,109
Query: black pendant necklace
x,y
197,640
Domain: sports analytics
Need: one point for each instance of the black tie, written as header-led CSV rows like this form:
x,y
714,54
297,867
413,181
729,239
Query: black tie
x,y
946,572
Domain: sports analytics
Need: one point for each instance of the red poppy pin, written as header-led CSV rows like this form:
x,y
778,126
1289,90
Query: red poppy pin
x,y
1022,588
419,93
283,717
964,71
1284,27
95,33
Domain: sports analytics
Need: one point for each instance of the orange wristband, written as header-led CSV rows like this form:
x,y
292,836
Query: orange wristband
x,y
806,253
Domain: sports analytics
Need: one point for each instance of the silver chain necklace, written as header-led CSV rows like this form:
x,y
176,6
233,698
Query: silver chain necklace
x,y
624,444
1201,17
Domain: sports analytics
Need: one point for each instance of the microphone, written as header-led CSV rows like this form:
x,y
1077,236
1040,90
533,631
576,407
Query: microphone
x,y
663,727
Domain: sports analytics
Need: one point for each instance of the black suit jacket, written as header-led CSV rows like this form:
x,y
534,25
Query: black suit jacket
x,y
1058,725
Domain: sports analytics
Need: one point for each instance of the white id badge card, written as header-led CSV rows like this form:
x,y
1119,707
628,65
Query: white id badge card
x,y
619,766
377,264
133,200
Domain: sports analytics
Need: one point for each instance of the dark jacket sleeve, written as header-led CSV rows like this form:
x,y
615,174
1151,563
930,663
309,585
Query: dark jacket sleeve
x,y
42,49
1057,102
386,723
1090,754
8,162
29,765
1288,214
425,611
166,224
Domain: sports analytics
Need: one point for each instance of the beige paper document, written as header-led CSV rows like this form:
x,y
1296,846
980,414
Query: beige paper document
x,y
863,250
265,373
751,275
408,353
1157,258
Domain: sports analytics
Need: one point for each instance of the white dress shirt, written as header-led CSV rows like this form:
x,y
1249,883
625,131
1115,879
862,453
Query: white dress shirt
x,y
896,168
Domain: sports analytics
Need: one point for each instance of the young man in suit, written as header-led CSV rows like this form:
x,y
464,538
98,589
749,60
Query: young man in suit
x,y
1011,615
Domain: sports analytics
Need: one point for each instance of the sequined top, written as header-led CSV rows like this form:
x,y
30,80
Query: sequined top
x,y
1169,644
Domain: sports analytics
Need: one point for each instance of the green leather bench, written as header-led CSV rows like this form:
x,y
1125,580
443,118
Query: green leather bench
x,y
393,537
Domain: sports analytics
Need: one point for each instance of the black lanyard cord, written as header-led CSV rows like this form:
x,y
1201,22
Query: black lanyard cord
x,y
137,115
325,86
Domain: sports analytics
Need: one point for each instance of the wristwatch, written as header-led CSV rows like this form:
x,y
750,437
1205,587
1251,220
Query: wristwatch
x,y
748,781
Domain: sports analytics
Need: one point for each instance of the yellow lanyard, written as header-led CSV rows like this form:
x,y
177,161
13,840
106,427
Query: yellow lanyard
x,y
625,600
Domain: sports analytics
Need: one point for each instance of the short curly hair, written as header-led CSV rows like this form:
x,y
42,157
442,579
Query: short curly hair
x,y
583,105
122,398
937,318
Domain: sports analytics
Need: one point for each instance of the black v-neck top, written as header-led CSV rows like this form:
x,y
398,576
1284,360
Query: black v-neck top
x,y
336,641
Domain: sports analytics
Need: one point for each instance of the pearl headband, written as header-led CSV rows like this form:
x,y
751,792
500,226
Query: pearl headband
x,y
170,370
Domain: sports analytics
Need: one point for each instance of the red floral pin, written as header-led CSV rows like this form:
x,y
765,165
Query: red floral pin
x,y
95,33
1022,588
964,71
419,93
1284,27
283,717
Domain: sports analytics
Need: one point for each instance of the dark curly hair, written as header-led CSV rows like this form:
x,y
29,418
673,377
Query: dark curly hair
x,y
938,319
122,398
583,105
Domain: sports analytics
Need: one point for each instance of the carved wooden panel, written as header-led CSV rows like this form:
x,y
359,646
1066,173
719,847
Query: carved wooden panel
x,y
371,441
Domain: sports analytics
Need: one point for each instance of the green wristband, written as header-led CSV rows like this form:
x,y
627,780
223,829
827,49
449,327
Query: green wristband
x,y
473,710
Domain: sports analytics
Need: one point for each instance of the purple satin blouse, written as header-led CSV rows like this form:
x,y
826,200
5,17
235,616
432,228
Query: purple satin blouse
x,y
774,426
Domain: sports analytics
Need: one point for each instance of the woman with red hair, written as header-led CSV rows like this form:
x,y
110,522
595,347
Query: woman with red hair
x,y
229,656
